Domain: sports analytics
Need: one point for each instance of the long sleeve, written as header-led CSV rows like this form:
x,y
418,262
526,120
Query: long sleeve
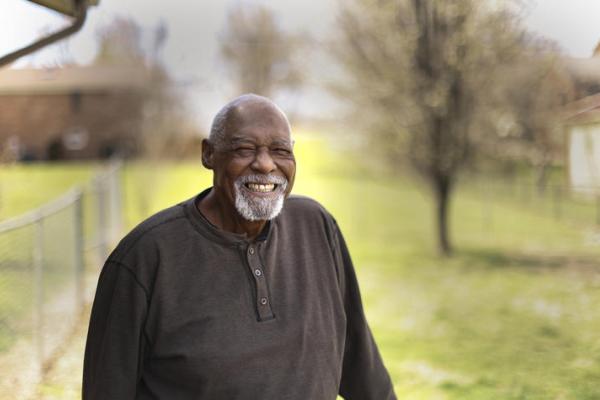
x,y
116,340
364,377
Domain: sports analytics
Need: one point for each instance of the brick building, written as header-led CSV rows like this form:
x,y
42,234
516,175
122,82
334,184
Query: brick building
x,y
71,113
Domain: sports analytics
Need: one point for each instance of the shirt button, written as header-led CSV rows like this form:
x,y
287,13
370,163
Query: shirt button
x,y
251,250
257,272
263,301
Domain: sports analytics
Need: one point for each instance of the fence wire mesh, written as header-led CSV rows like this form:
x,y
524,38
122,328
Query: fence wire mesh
x,y
43,277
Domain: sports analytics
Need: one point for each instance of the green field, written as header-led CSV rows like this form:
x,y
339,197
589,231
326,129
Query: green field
x,y
23,187
513,315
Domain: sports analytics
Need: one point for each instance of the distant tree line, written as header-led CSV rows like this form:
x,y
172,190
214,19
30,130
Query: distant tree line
x,y
441,83
435,84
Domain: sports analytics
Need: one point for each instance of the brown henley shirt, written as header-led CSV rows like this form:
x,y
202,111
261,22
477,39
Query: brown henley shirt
x,y
184,310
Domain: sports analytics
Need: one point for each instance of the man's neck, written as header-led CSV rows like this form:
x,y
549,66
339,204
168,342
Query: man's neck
x,y
226,218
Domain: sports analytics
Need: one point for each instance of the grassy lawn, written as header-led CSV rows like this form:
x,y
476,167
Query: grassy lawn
x,y
513,315
23,187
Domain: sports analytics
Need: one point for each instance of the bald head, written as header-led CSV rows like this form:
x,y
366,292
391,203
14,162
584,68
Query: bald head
x,y
246,106
251,154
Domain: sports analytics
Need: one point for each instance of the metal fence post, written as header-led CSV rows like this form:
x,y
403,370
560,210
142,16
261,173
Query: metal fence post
x,y
79,251
114,194
102,222
56,276
119,199
38,268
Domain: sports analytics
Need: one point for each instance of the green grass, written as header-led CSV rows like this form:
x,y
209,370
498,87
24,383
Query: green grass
x,y
513,315
23,187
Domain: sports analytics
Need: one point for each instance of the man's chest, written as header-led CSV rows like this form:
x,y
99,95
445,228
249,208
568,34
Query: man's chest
x,y
212,309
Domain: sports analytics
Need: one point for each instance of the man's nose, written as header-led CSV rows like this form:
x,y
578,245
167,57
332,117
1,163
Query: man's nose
x,y
263,162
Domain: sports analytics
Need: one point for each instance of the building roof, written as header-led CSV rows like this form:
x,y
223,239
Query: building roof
x,y
584,111
584,69
73,78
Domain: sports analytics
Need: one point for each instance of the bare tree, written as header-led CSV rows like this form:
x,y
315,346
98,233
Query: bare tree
x,y
260,54
165,119
119,43
422,75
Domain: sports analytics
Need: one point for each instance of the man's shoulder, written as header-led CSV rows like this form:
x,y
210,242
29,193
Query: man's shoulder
x,y
304,204
160,219
153,226
306,208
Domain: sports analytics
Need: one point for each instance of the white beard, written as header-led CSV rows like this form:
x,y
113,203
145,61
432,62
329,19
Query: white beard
x,y
254,208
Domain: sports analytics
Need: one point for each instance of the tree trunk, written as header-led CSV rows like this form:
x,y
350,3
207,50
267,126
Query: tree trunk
x,y
442,192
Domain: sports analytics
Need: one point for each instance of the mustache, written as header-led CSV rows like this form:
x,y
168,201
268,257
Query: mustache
x,y
263,179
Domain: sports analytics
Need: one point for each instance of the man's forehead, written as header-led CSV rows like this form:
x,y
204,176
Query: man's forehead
x,y
253,120
245,138
257,112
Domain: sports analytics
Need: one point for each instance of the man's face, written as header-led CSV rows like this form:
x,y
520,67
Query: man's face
x,y
254,167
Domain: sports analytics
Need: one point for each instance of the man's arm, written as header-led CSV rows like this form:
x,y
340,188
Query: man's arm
x,y
116,340
364,376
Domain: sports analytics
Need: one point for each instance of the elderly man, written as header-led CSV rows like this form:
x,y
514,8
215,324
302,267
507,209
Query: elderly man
x,y
238,293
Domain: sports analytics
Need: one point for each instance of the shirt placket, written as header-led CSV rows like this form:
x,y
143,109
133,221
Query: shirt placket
x,y
263,300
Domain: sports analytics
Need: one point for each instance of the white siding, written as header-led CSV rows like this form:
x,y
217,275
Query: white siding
x,y
584,158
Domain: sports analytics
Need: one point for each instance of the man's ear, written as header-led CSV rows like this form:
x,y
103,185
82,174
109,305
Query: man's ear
x,y
207,154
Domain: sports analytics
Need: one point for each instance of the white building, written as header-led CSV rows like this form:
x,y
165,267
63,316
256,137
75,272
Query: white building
x,y
583,139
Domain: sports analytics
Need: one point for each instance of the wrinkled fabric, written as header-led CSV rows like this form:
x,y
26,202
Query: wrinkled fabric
x,y
181,313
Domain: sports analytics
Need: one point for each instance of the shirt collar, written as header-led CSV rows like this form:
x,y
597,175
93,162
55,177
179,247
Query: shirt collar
x,y
213,232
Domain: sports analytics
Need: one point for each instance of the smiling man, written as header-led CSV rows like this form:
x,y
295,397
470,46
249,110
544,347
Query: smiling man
x,y
242,292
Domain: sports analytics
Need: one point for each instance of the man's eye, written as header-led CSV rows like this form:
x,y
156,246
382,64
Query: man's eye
x,y
244,151
282,151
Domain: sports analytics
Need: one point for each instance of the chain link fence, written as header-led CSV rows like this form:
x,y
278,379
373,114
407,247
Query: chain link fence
x,y
44,282
574,205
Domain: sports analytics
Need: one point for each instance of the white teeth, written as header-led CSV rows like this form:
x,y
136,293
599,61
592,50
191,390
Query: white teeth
x,y
257,187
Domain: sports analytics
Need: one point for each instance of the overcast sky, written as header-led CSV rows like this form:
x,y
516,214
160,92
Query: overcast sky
x,y
191,52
